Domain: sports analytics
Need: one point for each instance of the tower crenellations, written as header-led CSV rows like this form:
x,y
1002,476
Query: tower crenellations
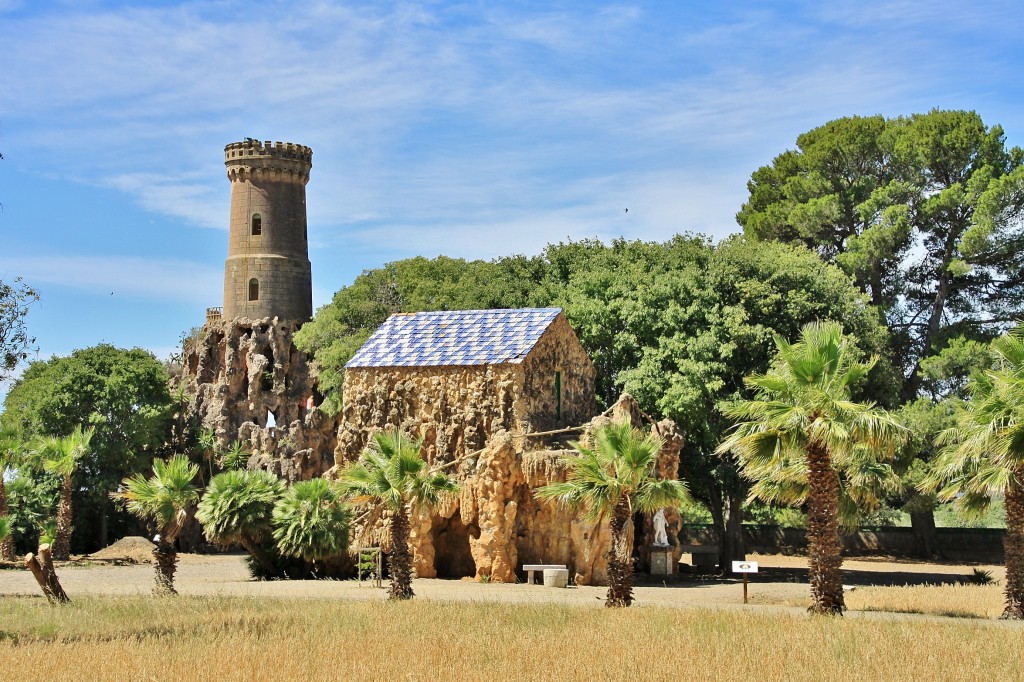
x,y
284,161
267,272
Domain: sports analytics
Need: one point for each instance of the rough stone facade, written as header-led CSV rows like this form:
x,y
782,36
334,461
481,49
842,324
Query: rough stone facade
x,y
497,524
457,410
238,372
267,272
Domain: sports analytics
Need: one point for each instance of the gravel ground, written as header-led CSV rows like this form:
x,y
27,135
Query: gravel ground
x,y
782,578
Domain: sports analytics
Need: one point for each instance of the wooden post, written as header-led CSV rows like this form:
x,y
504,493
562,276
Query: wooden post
x,y
744,588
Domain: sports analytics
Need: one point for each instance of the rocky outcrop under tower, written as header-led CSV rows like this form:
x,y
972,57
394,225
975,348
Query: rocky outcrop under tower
x,y
239,373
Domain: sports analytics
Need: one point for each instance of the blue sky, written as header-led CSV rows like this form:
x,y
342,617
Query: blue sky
x,y
466,128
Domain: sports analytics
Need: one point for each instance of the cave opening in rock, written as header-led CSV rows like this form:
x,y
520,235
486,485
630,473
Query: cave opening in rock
x,y
267,380
452,556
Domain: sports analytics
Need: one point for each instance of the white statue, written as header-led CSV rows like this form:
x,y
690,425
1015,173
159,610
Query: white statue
x,y
660,529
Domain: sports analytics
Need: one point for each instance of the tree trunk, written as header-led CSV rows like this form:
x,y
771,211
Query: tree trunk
x,y
733,547
620,558
926,544
104,537
1013,547
716,506
166,560
62,541
400,558
824,552
255,548
7,546
42,570
913,382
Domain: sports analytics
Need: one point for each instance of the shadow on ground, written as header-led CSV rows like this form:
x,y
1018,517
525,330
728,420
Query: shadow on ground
x,y
799,576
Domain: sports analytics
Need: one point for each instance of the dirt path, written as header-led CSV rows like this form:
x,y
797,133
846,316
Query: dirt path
x,y
782,579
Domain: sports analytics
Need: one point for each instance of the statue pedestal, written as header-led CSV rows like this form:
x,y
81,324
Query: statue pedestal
x,y
661,561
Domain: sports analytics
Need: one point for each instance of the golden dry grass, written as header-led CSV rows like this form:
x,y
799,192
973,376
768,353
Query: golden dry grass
x,y
193,638
963,601
957,601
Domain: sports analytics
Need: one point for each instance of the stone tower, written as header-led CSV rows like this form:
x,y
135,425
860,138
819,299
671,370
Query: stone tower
x,y
267,272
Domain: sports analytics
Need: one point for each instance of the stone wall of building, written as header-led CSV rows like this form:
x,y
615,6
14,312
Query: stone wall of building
x,y
236,373
557,352
457,410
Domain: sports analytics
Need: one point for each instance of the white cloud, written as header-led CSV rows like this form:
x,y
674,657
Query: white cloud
x,y
128,277
195,201
439,123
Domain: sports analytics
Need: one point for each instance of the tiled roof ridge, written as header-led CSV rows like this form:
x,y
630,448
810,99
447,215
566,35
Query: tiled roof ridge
x,y
455,337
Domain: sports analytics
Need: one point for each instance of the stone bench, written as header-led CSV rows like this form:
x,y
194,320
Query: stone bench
x,y
701,555
530,568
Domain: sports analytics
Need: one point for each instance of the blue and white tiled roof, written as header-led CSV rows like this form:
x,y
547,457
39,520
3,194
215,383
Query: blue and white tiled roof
x,y
455,338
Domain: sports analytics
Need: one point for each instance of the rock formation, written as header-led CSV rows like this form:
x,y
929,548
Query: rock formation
x,y
497,524
238,374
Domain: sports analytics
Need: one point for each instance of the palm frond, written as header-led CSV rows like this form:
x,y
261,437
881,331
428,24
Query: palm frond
x,y
620,466
391,472
165,497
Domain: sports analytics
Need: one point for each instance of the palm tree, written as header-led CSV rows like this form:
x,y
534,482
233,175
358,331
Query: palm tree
x,y
10,448
235,456
983,456
207,445
237,508
616,477
802,433
165,499
61,456
5,532
390,474
311,521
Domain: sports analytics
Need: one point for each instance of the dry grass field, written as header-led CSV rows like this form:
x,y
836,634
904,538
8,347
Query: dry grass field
x,y
238,638
956,601
227,627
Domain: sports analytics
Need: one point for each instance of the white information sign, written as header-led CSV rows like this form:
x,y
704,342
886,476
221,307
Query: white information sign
x,y
744,567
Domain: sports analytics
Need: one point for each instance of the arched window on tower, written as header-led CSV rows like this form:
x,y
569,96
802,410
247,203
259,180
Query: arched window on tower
x,y
257,224
254,289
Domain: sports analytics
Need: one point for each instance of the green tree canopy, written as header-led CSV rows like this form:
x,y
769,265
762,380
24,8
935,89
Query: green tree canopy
x,y
924,211
15,342
311,520
61,457
237,507
122,394
714,322
11,452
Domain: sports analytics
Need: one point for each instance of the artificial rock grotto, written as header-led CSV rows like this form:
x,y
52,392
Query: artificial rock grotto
x,y
490,425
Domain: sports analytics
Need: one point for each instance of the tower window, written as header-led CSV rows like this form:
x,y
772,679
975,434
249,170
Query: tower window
x,y
257,224
254,289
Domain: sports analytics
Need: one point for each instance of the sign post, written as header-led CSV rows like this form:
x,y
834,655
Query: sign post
x,y
746,568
